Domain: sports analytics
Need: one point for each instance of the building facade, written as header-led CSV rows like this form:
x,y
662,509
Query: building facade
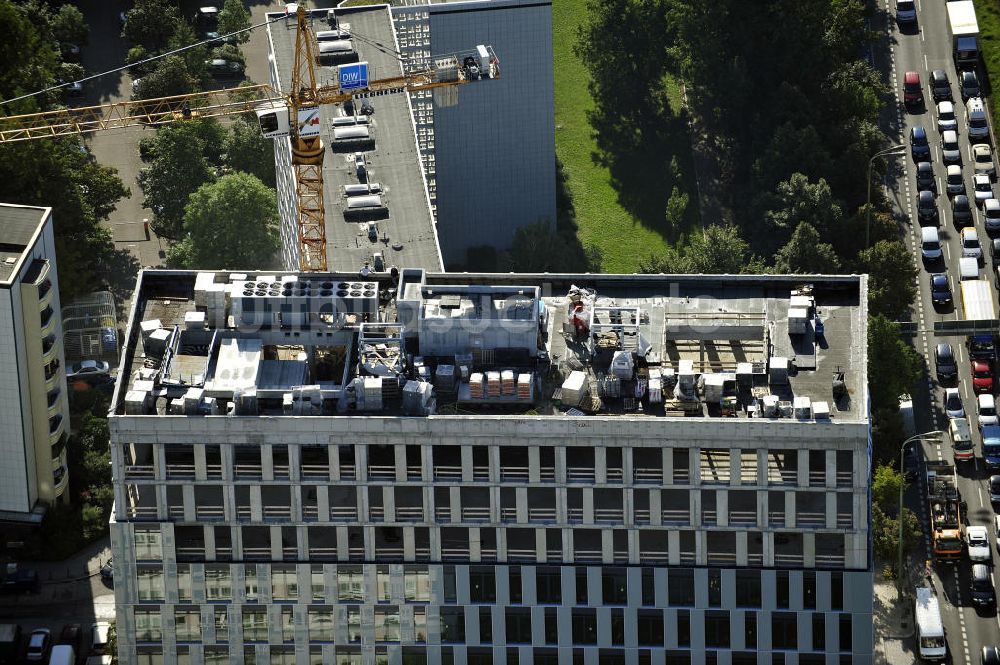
x,y
34,409
501,470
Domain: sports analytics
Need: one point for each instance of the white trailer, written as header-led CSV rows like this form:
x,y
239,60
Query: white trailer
x,y
964,31
931,641
977,300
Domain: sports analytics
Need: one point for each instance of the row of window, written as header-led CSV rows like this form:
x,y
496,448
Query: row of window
x,y
517,627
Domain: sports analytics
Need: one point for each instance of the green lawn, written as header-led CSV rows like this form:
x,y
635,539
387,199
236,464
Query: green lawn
x,y
602,221
988,17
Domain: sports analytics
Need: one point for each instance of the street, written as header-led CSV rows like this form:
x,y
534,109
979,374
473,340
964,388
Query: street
x,y
922,50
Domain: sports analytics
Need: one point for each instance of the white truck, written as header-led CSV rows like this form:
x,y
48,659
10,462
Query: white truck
x,y
931,642
964,30
977,300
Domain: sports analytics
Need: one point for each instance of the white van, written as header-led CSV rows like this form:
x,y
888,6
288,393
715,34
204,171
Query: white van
x,y
978,126
62,654
931,641
987,410
968,268
930,243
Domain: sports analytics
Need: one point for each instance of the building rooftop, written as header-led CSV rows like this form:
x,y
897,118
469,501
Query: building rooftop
x,y
381,150
18,228
420,344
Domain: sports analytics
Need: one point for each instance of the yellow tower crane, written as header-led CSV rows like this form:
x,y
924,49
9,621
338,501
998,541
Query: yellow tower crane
x,y
294,114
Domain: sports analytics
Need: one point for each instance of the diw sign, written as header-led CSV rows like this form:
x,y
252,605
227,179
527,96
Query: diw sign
x,y
353,76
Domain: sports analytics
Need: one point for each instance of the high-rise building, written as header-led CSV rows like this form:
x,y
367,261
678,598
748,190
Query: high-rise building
x,y
34,410
455,168
312,468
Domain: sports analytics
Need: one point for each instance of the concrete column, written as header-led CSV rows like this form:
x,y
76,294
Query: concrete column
x,y
187,497
633,546
701,547
302,543
501,544
655,507
409,544
200,462
541,551
426,463
159,462
831,469
735,467
455,494
762,516
588,505
294,463
831,510
673,548
361,462
694,497
790,509
607,546
494,504
333,459
521,502
534,465
561,514
256,504
399,458
267,461
475,545
389,502
494,462
323,502
809,549
209,534
560,462
694,465
767,549
276,553
668,465
466,464
722,507
627,466
627,506
600,465
295,501
762,467
803,468
342,543
741,548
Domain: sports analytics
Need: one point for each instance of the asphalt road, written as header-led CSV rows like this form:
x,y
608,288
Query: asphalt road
x,y
924,49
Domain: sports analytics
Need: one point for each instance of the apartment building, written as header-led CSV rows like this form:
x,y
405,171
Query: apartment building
x,y
34,410
476,468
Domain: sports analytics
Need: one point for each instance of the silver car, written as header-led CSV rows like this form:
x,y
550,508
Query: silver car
x,y
946,116
983,187
991,215
982,154
949,147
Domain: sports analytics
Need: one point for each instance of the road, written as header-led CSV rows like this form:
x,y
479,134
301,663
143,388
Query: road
x,y
923,50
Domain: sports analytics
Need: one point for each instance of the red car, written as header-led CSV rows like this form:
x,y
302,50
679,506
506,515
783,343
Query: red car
x,y
913,92
982,376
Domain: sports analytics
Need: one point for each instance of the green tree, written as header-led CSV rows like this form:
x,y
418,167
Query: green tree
x,y
797,200
229,52
230,223
719,249
805,253
885,535
677,206
232,17
886,484
28,59
68,26
671,262
194,58
177,169
170,76
894,367
891,278
539,248
246,150
151,23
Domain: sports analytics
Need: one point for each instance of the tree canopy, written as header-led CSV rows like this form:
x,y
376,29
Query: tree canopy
x,y
232,17
806,253
891,278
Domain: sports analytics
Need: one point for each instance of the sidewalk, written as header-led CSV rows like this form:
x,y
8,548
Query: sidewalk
x,y
893,622
70,581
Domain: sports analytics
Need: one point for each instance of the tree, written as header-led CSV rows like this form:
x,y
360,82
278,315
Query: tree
x,y
231,223
891,278
804,253
233,17
229,52
719,249
68,26
894,367
246,150
670,262
885,535
194,58
177,169
886,485
170,77
539,248
28,59
151,23
796,200
676,208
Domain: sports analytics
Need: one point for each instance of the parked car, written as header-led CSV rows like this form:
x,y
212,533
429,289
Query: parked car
x,y
978,540
983,187
990,655
39,644
982,376
987,404
930,243
950,151
913,93
970,242
21,580
991,215
946,116
906,12
961,212
953,403
925,177
940,289
223,66
944,362
983,594
72,635
108,571
99,637
969,84
954,182
919,147
87,368
982,156
975,117
940,85
927,210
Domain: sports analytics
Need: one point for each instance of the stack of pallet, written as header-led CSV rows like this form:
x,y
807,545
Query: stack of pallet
x,y
493,384
507,382
524,386
476,385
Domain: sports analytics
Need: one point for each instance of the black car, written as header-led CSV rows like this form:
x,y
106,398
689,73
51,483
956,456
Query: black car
x,y
21,581
925,177
961,210
969,85
990,656
72,634
983,594
995,251
944,362
919,147
940,289
927,210
940,85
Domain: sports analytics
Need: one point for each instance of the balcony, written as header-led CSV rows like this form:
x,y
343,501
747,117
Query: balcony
x,y
180,471
56,428
608,515
409,513
477,513
53,401
544,515
577,474
210,513
52,375
447,473
343,513
381,472
48,320
647,476
60,478
514,474
248,471
50,349
45,292
315,471
136,471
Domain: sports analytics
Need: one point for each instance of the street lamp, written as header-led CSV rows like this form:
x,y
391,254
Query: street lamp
x,y
902,483
893,151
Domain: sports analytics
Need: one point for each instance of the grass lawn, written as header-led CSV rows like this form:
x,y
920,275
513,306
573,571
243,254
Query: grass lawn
x,y
988,17
603,223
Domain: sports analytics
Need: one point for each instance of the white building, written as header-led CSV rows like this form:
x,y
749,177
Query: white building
x,y
492,469
34,410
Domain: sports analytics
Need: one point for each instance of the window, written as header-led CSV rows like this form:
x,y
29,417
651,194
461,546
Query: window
x,y
417,585
250,578
387,624
819,631
148,626
281,656
419,624
284,583
717,629
836,591
677,657
148,656
188,625
551,626
320,624
714,587
383,585
218,583
845,632
781,589
680,586
147,545
584,626
353,624
617,626
183,655
482,584
648,587
486,625
784,631
479,656
184,582
650,628
149,583
750,630
216,655
348,658
518,621
548,586
287,624
221,628
450,595
514,584
317,582
581,586
748,588
683,628
350,584
809,589
254,624
452,624
614,586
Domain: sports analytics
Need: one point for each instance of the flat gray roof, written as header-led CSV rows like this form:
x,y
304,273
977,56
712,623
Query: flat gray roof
x,y
406,233
18,226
